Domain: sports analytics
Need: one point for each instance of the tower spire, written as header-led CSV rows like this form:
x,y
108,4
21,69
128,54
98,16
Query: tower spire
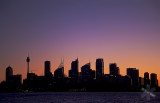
x,y
28,60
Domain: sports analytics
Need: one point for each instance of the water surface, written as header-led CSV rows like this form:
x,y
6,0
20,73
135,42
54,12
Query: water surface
x,y
76,97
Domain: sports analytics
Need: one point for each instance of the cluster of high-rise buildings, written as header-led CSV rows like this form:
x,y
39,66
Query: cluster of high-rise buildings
x,y
85,79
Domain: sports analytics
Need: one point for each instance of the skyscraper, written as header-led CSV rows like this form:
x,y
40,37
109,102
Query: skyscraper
x,y
114,70
9,73
73,73
134,74
47,67
154,80
85,72
59,72
146,78
99,68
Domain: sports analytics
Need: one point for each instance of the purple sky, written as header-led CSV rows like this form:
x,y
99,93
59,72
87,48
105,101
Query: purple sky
x,y
119,31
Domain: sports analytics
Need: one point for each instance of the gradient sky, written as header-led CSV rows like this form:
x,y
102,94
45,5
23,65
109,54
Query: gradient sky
x,y
126,32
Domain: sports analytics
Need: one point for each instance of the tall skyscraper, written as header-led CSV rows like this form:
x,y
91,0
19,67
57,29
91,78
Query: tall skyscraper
x,y
47,66
99,68
153,80
134,74
59,73
85,72
73,73
28,60
9,73
114,70
146,78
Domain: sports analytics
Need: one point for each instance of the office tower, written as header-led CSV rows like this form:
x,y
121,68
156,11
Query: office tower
x,y
9,73
99,68
114,70
146,79
87,73
134,74
59,72
153,80
28,60
73,73
47,67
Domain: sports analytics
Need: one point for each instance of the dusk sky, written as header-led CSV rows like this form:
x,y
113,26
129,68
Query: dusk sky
x,y
125,32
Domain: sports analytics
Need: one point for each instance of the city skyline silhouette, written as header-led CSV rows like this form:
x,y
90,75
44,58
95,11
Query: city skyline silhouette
x,y
66,70
79,81
124,32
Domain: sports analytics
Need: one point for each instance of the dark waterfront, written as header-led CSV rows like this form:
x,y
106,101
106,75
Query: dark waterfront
x,y
77,97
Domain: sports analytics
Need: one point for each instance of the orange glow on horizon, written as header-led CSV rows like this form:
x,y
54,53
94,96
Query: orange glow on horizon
x,y
37,65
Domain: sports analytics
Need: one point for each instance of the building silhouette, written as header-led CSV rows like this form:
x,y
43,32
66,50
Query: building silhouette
x,y
31,76
146,79
114,70
17,79
154,82
59,72
47,66
99,68
47,71
9,73
30,82
87,73
13,81
73,73
134,74
128,82
85,69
